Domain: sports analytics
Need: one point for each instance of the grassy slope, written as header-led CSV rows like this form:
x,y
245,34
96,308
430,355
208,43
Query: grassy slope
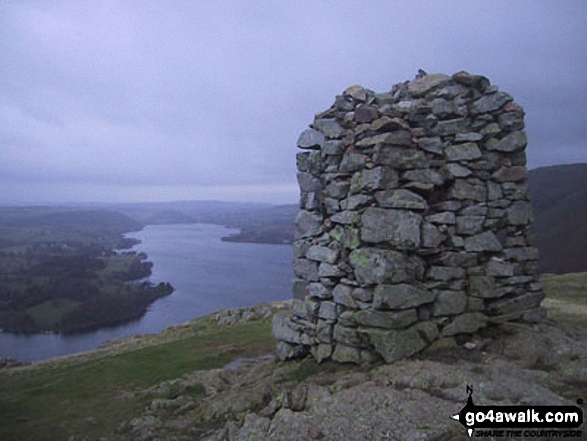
x,y
53,400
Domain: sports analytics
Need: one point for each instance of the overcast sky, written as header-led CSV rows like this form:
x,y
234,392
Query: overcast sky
x,y
183,100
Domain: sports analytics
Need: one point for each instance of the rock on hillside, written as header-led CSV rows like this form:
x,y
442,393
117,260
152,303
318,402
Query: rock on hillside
x,y
264,399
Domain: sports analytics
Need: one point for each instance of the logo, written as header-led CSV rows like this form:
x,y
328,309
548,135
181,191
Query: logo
x,y
516,421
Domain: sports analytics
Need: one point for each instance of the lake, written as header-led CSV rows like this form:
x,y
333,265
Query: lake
x,y
207,275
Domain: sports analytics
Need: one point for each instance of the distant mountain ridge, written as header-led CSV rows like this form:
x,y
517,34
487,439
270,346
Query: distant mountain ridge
x,y
559,200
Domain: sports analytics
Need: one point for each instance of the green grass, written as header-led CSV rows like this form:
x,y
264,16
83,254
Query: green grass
x,y
48,314
566,297
53,401
115,264
570,287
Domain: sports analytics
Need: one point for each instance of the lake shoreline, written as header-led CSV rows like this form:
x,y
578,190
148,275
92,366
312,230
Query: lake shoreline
x,y
208,274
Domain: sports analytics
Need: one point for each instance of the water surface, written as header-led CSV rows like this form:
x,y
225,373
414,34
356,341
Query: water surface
x,y
208,275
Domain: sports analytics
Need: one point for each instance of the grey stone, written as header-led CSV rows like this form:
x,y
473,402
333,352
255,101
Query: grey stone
x,y
400,296
445,217
330,127
499,269
469,225
468,137
319,291
421,86
332,147
357,200
306,269
337,190
514,142
321,352
343,295
328,270
478,82
483,242
463,189
363,294
357,92
445,273
386,124
397,227
308,224
302,161
450,127
322,254
515,190
424,175
432,145
347,236
490,129
457,171
372,266
396,345
401,159
519,213
516,304
331,205
311,139
459,259
431,237
344,103
449,303
462,152
287,351
521,254
489,103
350,336
301,247
352,162
327,311
396,138
511,121
443,108
510,174
299,289
307,182
377,178
283,329
400,199
346,217
365,114
465,323
346,354
324,328
306,309
493,191
483,287
417,221
386,319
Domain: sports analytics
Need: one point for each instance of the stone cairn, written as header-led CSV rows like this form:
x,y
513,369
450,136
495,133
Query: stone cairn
x,y
414,224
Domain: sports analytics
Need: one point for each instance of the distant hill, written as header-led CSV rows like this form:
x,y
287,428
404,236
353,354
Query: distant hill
x,y
60,217
559,200
262,223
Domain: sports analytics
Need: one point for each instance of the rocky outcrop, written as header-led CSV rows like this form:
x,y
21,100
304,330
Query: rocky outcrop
x,y
415,221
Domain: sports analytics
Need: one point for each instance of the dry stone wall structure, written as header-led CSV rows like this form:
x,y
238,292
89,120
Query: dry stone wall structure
x,y
415,221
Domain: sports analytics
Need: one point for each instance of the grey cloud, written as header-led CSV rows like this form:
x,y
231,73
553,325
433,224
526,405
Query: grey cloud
x,y
168,96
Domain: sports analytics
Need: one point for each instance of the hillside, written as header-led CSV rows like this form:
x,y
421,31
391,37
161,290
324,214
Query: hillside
x,y
559,200
214,378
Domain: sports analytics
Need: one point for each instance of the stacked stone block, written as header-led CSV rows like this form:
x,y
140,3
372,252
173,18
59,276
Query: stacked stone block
x,y
415,221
